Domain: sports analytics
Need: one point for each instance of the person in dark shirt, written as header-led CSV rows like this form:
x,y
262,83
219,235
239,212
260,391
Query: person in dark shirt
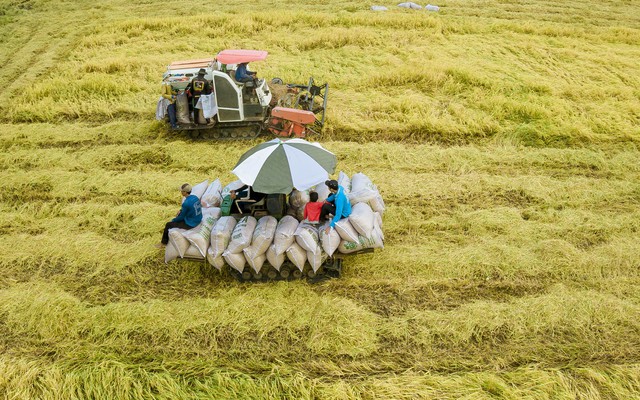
x,y
246,196
197,87
242,75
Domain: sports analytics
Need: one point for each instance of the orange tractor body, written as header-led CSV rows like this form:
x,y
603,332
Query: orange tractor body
x,y
289,122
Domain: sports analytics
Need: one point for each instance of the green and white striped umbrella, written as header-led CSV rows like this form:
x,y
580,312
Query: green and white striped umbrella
x,y
278,166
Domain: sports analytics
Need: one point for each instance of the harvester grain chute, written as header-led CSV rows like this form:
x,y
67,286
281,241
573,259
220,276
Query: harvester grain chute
x,y
244,110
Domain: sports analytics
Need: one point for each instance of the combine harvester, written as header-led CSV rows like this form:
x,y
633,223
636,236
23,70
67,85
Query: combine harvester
x,y
268,239
245,110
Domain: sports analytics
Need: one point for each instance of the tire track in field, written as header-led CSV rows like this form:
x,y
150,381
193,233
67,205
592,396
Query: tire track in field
x,y
47,43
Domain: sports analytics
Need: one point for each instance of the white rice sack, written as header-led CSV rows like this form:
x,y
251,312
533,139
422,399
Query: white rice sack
x,y
362,196
200,236
378,240
255,262
251,252
283,237
377,204
216,261
199,189
307,237
176,237
329,241
362,189
215,212
372,241
235,185
235,260
193,252
378,218
361,218
360,181
170,253
182,109
298,198
322,190
316,259
347,247
263,235
221,234
297,255
212,196
344,181
242,235
377,224
346,231
275,259
410,5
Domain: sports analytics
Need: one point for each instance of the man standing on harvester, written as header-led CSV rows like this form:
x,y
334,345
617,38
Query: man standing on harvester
x,y
337,204
189,217
197,87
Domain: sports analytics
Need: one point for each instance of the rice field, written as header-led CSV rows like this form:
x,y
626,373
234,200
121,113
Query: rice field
x,y
503,136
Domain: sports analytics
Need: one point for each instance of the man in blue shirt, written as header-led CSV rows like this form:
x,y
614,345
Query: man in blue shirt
x,y
337,204
189,217
242,75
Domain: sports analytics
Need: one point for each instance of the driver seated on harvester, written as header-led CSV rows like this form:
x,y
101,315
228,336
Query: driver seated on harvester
x,y
244,197
243,75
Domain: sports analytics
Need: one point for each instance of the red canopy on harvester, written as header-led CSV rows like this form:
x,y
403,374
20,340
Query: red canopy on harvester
x,y
240,56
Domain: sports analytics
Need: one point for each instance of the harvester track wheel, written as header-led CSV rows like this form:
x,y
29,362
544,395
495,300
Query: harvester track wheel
x,y
285,272
297,273
246,275
272,274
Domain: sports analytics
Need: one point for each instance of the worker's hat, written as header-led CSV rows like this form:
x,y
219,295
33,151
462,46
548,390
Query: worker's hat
x,y
185,188
202,71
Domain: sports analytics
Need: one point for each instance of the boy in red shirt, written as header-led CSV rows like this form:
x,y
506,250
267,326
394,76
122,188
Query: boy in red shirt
x,y
312,208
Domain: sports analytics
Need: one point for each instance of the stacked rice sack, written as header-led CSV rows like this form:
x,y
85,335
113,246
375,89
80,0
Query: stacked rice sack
x,y
246,242
363,228
254,243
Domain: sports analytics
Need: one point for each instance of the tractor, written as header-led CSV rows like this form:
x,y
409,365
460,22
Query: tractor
x,y
244,110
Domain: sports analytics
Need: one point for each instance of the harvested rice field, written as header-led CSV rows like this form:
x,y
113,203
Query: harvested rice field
x,y
503,136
